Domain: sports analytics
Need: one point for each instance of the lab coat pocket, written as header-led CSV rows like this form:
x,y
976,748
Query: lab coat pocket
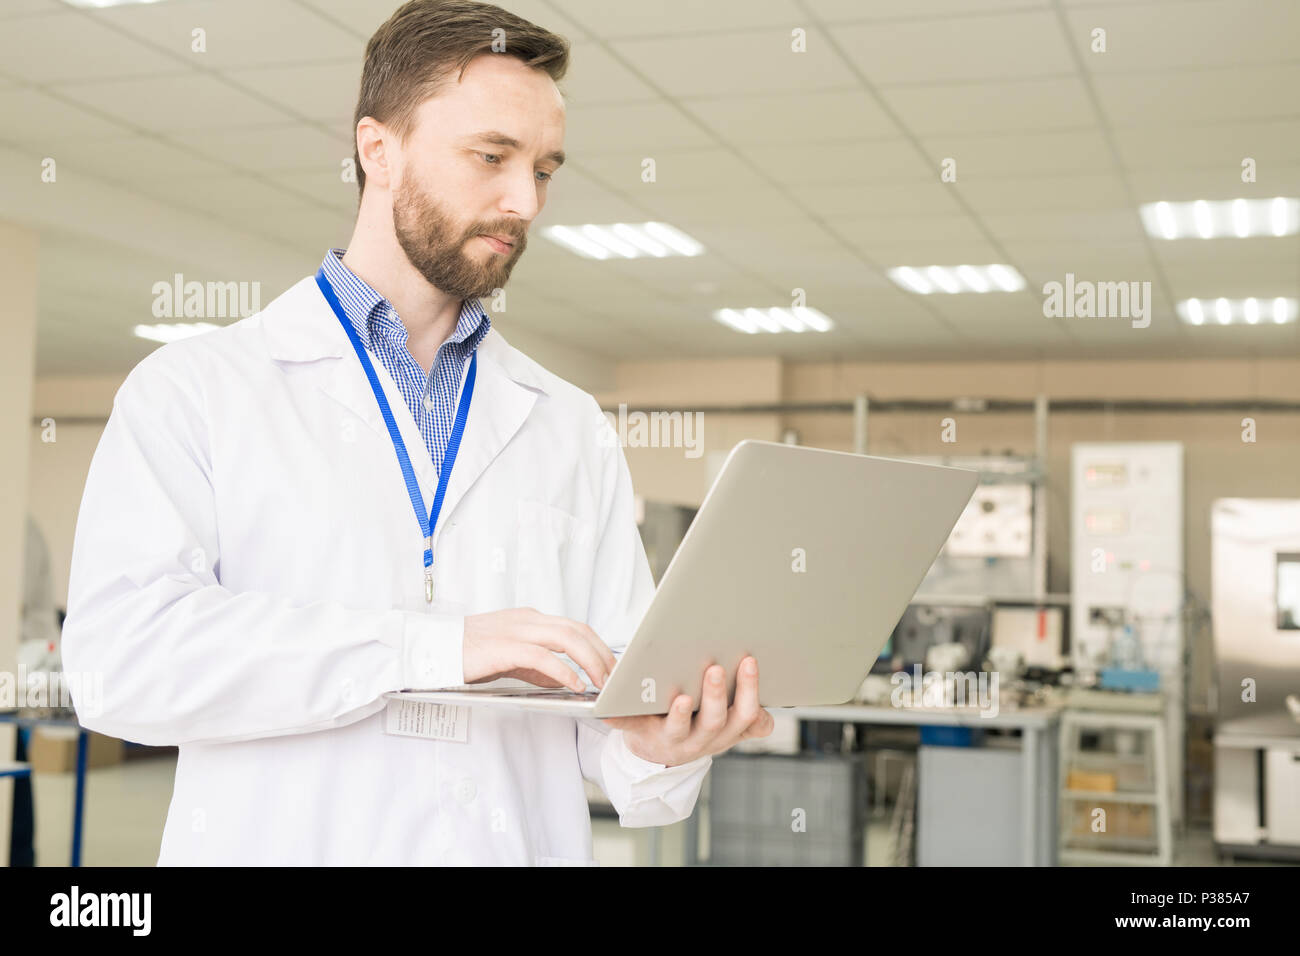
x,y
552,551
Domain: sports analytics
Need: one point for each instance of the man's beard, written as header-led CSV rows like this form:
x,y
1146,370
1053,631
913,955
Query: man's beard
x,y
439,251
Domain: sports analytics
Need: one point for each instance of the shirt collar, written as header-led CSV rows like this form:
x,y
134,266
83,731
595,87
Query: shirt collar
x,y
362,303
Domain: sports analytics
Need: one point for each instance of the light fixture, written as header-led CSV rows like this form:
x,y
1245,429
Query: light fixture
x,y
1219,219
754,320
1253,311
954,279
170,332
624,240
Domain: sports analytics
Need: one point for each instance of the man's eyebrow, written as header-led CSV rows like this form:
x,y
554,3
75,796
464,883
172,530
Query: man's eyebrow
x,y
497,138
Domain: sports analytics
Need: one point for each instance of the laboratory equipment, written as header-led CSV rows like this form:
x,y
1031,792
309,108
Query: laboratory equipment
x,y
1255,556
1126,569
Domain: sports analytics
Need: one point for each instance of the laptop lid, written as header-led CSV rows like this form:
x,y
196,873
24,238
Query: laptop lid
x,y
803,557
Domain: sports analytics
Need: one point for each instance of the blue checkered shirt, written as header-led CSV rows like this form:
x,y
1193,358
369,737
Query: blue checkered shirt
x,y
431,398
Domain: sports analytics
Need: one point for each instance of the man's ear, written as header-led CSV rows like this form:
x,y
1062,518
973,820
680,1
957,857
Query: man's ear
x,y
373,141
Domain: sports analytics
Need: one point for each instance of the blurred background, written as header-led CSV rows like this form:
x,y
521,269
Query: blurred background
x,y
1052,240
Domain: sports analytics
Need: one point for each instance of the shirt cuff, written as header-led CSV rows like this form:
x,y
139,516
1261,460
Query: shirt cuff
x,y
636,769
645,793
432,651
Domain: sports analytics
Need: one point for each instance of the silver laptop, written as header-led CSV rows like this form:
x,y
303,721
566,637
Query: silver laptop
x,y
802,557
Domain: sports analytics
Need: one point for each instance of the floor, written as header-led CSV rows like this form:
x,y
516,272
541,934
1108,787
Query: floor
x,y
126,805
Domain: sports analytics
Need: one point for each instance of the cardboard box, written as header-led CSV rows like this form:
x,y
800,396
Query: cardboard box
x,y
54,750
1096,781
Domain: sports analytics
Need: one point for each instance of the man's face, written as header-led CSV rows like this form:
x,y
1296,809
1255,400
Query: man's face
x,y
453,187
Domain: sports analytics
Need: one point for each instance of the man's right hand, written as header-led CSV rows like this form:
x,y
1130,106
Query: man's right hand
x,y
524,644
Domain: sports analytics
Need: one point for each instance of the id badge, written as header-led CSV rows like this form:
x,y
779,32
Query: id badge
x,y
427,719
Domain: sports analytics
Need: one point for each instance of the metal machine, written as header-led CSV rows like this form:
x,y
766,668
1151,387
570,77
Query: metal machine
x,y
1256,607
993,550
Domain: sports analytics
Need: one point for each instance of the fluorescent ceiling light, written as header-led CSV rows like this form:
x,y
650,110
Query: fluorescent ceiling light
x,y
1255,311
624,240
170,332
1219,219
954,279
752,321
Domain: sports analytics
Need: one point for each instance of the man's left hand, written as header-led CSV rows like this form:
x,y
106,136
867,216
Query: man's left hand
x,y
675,738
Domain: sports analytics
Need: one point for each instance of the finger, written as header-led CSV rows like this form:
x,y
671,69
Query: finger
x,y
763,725
712,717
532,677
601,647
554,633
677,725
540,659
745,708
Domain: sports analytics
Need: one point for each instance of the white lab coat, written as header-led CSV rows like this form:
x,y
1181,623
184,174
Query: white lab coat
x,y
248,578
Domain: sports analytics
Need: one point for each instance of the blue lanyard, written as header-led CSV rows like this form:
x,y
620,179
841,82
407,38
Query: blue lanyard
x,y
430,521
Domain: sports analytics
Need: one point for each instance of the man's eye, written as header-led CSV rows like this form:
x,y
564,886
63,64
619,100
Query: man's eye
x,y
547,176
490,156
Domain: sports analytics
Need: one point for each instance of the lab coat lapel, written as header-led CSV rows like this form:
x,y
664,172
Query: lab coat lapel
x,y
497,411
350,387
300,327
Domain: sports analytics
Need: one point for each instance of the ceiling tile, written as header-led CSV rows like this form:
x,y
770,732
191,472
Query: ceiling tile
x,y
238,33
316,91
837,10
32,118
269,148
1029,192
132,158
809,163
186,102
646,128
1198,96
1218,182
999,155
930,198
596,76
1103,225
1142,37
950,109
1212,145
674,17
990,46
733,62
781,119
73,46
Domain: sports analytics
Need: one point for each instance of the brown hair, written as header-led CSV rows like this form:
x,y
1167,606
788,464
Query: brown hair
x,y
413,55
